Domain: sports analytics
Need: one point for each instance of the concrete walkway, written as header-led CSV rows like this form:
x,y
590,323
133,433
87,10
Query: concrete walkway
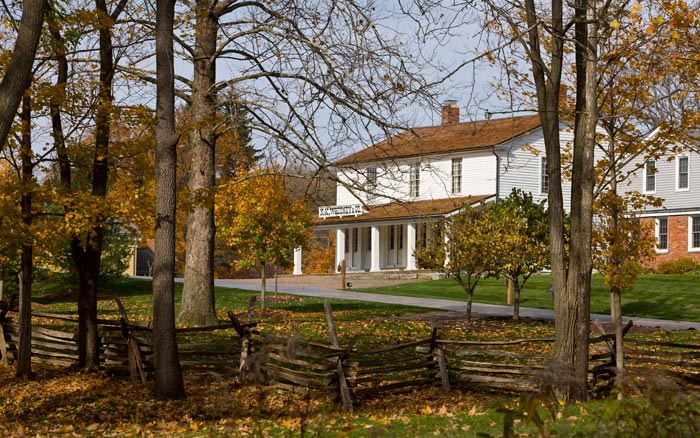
x,y
439,304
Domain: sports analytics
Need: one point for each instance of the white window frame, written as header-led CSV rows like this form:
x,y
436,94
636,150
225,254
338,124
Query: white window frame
x,y
692,219
456,176
657,234
678,173
646,174
544,176
414,180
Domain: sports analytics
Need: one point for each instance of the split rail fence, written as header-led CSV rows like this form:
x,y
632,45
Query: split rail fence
x,y
255,357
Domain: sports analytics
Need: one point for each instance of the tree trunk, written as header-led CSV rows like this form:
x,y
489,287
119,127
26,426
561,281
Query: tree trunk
x,y
470,298
582,182
56,102
87,263
18,74
168,372
616,316
567,345
516,299
87,258
24,349
263,301
198,305
615,292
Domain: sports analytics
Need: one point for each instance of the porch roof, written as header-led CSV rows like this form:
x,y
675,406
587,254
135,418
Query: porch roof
x,y
404,210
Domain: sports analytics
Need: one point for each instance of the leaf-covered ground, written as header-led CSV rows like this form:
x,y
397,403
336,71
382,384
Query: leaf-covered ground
x,y
70,403
61,402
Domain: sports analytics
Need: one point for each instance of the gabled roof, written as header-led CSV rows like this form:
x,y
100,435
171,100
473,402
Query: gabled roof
x,y
405,210
445,138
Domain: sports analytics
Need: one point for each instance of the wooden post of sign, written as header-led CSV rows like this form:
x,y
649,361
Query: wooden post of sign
x,y
343,267
509,291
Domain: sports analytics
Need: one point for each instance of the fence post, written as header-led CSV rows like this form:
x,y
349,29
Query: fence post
x,y
133,351
3,345
439,356
243,331
342,381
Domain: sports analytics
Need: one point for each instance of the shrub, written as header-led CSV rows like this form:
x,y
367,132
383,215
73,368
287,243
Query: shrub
x,y
679,266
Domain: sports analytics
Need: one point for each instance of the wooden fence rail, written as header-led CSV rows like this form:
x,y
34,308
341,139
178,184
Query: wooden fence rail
x,y
257,357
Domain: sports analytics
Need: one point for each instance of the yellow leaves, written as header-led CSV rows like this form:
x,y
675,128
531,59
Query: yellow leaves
x,y
636,8
256,214
615,24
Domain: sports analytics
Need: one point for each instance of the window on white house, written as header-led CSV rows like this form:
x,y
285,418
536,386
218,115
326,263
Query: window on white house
x,y
650,176
347,240
694,231
682,174
662,234
414,180
456,175
369,239
371,183
400,236
355,240
544,176
392,230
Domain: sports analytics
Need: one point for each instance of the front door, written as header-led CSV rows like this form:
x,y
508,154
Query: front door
x,y
355,250
395,246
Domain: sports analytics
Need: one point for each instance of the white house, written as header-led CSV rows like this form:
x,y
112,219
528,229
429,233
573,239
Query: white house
x,y
388,192
675,178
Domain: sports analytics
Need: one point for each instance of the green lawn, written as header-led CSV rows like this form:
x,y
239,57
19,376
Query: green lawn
x,y
663,296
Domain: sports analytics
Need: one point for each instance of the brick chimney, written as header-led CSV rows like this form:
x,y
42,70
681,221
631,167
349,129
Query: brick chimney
x,y
450,112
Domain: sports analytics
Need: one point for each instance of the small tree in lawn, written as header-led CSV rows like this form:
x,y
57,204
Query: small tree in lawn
x,y
621,248
463,249
257,217
521,229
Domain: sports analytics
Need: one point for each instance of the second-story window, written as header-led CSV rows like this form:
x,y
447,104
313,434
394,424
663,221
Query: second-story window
x,y
650,176
456,175
371,183
544,176
682,179
414,180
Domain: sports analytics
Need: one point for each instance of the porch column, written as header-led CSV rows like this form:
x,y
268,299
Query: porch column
x,y
297,261
339,247
374,253
410,246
